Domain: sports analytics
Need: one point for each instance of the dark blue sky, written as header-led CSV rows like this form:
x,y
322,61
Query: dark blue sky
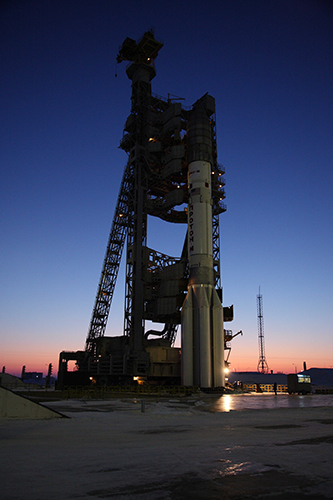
x,y
269,66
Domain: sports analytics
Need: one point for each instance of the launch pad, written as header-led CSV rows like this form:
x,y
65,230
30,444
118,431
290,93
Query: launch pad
x,y
172,173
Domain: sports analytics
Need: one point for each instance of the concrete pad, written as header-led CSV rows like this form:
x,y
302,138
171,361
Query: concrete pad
x,y
13,405
111,450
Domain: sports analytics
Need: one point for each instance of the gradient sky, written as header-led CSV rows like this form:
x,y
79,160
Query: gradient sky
x,y
269,65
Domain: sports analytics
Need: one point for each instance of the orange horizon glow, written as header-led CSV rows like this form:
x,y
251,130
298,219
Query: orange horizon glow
x,y
250,365
243,357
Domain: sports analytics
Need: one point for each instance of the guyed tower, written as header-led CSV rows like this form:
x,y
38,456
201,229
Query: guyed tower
x,y
262,363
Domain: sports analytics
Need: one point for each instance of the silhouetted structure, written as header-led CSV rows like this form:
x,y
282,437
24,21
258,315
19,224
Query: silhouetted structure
x,y
262,363
155,183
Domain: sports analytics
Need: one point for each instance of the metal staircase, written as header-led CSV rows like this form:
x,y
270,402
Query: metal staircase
x,y
111,263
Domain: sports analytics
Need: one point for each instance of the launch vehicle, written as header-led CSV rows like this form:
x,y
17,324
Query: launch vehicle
x,y
202,313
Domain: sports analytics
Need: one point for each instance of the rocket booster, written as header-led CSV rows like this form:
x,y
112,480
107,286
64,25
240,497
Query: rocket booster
x,y
200,243
202,313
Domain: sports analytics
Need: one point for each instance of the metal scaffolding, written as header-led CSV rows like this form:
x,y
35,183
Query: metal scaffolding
x,y
155,184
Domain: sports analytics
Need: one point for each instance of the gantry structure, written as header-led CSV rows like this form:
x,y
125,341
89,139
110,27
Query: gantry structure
x,y
154,184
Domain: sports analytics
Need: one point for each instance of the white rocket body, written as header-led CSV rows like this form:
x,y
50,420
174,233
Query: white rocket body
x,y
202,341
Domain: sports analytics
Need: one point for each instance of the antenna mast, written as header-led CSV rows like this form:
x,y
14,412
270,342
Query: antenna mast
x,y
262,363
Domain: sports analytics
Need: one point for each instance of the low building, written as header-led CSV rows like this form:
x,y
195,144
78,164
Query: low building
x,y
258,382
321,381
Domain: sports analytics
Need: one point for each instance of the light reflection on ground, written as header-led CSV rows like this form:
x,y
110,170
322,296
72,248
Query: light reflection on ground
x,y
239,402
198,403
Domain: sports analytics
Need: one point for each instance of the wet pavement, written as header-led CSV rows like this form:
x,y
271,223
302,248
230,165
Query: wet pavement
x,y
233,447
239,402
205,403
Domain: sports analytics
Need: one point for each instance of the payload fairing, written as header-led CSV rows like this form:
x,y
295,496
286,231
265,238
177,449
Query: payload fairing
x,y
202,312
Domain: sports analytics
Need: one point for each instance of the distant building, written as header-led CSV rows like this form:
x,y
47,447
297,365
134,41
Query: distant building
x,y
258,382
321,380
31,380
33,377
38,379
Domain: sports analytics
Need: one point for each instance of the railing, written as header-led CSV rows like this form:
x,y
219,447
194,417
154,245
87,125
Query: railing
x,y
166,100
222,206
80,392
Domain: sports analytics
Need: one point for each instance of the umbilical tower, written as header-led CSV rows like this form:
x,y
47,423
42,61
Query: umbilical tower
x,y
171,174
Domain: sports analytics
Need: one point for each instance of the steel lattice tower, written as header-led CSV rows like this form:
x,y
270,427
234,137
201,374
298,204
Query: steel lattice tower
x,y
262,363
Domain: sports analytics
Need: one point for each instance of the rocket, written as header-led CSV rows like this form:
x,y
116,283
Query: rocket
x,y
202,334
